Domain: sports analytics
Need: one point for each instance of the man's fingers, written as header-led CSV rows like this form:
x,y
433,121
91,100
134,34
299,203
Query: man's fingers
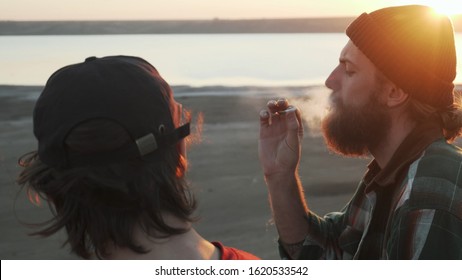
x,y
265,118
298,115
277,106
272,106
295,127
283,104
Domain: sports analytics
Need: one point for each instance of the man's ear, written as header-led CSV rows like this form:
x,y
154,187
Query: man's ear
x,y
394,96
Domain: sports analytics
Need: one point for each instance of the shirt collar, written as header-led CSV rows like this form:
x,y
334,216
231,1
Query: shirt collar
x,y
410,149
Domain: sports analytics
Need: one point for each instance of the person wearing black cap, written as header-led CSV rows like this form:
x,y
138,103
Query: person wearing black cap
x,y
392,98
111,162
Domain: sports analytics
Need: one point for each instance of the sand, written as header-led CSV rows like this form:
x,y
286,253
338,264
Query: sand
x,y
224,173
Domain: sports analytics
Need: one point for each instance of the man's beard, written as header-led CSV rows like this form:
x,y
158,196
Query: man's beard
x,y
353,131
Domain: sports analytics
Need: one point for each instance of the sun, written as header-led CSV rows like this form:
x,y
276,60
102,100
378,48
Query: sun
x,y
446,7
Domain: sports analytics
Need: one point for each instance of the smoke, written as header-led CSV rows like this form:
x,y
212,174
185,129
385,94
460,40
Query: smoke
x,y
314,106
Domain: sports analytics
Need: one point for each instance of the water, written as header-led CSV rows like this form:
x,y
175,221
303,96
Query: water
x,y
196,59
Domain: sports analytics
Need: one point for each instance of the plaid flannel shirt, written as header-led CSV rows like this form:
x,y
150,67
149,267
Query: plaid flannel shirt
x,y
410,209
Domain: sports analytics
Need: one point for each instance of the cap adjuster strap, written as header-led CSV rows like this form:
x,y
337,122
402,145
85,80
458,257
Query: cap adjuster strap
x,y
149,143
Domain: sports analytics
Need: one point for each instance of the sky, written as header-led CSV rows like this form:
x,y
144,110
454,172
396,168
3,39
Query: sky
x,y
198,9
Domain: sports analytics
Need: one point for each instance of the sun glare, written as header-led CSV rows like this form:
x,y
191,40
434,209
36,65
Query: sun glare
x,y
446,7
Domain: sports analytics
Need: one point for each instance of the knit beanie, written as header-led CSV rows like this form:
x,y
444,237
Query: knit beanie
x,y
412,46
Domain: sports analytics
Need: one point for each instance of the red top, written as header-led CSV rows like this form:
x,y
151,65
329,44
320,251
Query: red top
x,y
230,253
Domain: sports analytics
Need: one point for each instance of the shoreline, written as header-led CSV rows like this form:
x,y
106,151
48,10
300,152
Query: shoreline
x,y
199,91
205,26
210,26
32,92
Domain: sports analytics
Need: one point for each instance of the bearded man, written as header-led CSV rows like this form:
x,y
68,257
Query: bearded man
x,y
392,98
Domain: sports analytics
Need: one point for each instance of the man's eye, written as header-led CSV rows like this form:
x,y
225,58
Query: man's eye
x,y
349,73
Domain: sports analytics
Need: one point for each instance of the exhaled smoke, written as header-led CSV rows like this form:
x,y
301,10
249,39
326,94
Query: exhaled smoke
x,y
313,106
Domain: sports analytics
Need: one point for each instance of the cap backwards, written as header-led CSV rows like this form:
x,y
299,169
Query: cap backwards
x,y
126,90
413,47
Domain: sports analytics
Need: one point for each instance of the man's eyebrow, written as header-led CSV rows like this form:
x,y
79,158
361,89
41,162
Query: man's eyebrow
x,y
344,60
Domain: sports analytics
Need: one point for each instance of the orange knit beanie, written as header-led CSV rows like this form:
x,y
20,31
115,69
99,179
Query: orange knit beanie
x,y
413,47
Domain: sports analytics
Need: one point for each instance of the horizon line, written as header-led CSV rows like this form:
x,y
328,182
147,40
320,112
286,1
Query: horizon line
x,y
196,19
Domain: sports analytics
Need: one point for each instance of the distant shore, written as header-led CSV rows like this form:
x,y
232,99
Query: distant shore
x,y
214,26
32,91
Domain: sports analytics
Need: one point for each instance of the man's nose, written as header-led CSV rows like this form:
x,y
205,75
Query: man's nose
x,y
333,81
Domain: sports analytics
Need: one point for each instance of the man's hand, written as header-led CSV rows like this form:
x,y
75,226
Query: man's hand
x,y
281,132
279,150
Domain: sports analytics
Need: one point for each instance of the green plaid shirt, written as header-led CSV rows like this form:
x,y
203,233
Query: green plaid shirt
x,y
411,209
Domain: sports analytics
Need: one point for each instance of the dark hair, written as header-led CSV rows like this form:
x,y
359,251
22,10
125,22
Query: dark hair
x,y
99,205
450,118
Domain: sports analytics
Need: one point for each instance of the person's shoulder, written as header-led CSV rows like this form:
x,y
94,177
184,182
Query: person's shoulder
x,y
442,150
437,179
441,160
230,253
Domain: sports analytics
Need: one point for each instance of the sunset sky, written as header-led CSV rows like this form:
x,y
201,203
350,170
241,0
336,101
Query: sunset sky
x,y
198,9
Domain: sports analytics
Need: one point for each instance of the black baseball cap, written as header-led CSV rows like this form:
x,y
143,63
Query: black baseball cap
x,y
124,89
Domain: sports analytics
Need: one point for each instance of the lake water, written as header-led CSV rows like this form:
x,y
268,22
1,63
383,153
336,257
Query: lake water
x,y
196,59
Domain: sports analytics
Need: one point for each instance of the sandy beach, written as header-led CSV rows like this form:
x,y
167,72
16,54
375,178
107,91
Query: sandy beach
x,y
224,173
